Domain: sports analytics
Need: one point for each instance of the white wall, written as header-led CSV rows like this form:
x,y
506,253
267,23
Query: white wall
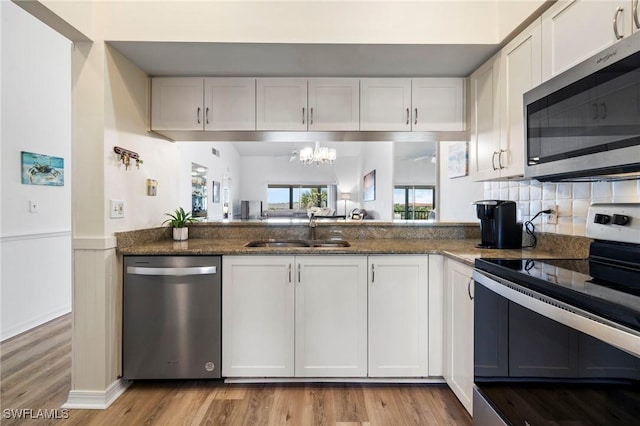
x,y
456,194
226,165
36,117
125,120
378,156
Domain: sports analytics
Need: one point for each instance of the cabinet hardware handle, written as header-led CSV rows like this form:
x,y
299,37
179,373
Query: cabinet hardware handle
x,y
206,115
595,112
500,159
469,289
311,117
408,116
289,273
604,110
373,273
302,115
493,161
416,117
636,19
615,22
299,280
198,115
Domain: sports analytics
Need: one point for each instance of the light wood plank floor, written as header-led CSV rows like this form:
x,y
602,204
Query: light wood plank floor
x,y
35,374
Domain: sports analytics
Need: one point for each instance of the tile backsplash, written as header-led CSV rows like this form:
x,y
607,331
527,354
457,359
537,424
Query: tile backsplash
x,y
573,200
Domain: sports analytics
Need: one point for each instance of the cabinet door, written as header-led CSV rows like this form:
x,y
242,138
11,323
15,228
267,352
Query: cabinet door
x,y
331,316
398,335
573,31
600,360
437,104
530,331
258,316
334,104
520,71
385,104
281,104
485,120
177,103
230,104
458,362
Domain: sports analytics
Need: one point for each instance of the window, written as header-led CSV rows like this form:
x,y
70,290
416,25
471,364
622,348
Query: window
x,y
413,202
296,197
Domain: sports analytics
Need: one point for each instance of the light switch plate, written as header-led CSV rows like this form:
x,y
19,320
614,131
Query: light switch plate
x,y
116,209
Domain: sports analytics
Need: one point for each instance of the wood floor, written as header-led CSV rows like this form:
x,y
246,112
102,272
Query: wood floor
x,y
35,374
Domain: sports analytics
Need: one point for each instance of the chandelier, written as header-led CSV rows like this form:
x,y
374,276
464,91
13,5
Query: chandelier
x,y
318,155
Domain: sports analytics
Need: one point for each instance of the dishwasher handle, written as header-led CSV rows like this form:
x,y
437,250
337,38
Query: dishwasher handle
x,y
172,272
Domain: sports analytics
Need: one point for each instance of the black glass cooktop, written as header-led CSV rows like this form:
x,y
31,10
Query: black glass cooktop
x,y
613,294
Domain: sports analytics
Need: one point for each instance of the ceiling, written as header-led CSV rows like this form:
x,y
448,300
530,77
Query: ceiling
x,y
307,60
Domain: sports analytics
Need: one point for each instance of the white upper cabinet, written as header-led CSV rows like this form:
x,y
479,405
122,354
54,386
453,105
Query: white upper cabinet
x,y
497,121
334,104
398,333
437,104
419,104
385,104
229,104
520,71
177,103
573,31
281,104
196,103
485,120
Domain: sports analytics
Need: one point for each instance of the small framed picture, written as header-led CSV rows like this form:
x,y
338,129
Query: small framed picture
x,y
216,192
40,169
458,159
369,187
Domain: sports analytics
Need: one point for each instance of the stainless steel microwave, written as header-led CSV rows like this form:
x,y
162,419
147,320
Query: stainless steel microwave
x,y
584,124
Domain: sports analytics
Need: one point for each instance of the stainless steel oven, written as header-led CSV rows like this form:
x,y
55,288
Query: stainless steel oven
x,y
584,124
557,341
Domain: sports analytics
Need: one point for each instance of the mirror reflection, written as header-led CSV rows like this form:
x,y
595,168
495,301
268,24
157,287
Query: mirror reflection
x,y
198,190
289,179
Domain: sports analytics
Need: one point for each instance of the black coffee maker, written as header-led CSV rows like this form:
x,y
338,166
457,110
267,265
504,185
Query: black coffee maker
x,y
498,226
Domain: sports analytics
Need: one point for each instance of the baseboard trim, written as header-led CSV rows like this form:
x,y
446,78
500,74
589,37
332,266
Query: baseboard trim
x,y
31,323
365,380
96,400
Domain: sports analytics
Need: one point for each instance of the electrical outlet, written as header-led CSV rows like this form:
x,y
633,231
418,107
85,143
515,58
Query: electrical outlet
x,y
116,209
551,218
33,206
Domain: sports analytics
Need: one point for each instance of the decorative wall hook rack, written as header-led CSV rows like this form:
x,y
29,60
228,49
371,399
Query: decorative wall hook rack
x,y
126,156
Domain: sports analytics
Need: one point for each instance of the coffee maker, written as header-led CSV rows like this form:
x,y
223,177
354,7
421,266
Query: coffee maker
x,y
498,226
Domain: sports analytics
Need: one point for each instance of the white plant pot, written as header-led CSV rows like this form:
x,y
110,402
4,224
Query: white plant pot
x,y
180,234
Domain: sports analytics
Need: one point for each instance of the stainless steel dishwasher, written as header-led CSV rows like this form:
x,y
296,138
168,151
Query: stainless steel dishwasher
x,y
172,314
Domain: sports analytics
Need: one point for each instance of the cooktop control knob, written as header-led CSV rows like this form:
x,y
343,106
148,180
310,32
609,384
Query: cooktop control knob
x,y
620,219
602,218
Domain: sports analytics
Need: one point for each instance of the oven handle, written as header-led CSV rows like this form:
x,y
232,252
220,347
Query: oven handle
x,y
626,340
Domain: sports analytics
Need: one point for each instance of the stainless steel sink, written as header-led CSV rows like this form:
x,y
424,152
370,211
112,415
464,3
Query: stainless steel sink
x,y
278,243
299,243
330,243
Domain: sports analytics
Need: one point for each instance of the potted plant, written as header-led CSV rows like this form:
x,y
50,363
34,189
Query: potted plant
x,y
179,220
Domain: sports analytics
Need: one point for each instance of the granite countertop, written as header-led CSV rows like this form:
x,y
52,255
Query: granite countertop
x,y
463,250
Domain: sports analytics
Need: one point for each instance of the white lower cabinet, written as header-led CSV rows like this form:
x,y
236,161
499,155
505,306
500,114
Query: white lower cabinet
x,y
302,316
258,316
331,316
398,321
458,335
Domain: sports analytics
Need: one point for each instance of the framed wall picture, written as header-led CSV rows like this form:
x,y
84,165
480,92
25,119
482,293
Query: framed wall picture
x,y
216,192
369,187
458,159
40,169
